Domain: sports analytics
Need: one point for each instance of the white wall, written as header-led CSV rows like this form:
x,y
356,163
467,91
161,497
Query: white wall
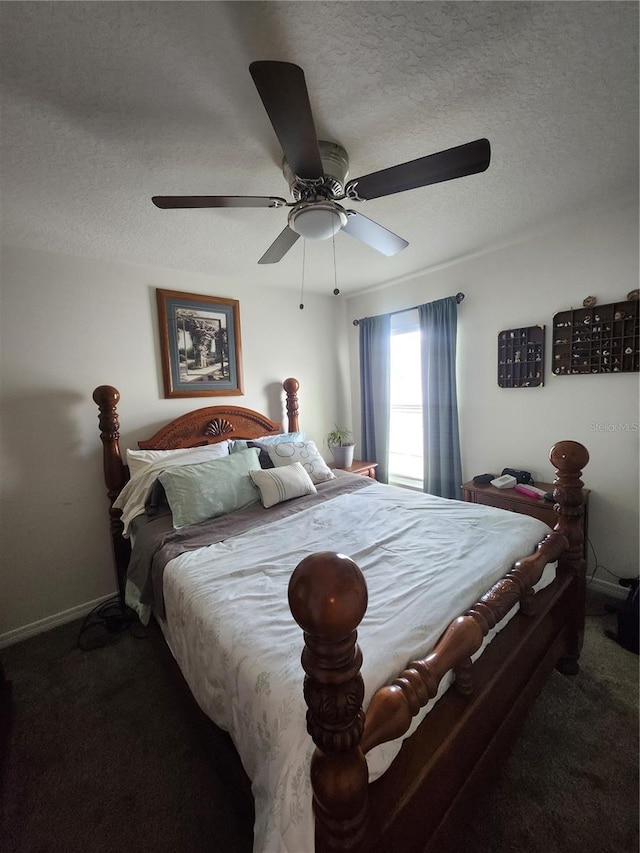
x,y
523,285
70,324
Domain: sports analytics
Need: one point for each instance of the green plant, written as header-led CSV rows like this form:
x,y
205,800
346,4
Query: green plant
x,y
339,437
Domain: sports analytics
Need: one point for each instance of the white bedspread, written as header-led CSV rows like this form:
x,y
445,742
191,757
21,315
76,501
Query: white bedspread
x,y
229,625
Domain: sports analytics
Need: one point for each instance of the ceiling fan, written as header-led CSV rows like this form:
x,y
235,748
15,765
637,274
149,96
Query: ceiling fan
x,y
317,172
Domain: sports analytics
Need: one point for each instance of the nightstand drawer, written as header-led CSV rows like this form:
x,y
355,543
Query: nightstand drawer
x,y
539,511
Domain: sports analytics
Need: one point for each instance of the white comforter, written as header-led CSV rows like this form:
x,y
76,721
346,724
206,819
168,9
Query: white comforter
x,y
230,628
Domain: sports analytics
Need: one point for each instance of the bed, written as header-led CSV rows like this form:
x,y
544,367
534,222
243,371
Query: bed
x,y
461,611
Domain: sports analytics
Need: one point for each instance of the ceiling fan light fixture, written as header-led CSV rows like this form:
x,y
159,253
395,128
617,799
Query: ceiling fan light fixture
x,y
317,220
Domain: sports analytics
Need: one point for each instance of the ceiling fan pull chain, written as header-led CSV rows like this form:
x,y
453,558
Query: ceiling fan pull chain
x,y
304,251
335,275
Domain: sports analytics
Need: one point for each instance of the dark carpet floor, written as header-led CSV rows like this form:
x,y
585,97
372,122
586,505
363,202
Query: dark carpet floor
x,y
105,756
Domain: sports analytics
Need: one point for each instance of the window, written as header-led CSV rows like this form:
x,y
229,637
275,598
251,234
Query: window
x,y
405,422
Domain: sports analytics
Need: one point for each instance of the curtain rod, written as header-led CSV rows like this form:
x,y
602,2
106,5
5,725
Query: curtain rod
x,y
459,298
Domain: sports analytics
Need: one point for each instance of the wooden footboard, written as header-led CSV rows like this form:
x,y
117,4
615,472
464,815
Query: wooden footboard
x,y
441,766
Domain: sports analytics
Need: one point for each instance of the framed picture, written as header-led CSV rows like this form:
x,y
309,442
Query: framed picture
x,y
200,344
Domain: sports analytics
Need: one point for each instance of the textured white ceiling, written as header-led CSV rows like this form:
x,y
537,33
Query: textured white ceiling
x,y
107,104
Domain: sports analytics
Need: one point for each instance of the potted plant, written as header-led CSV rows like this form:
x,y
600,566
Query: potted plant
x,y
340,443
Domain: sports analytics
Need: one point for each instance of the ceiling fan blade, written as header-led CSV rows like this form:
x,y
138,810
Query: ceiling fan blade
x,y
168,202
283,90
374,235
468,159
280,246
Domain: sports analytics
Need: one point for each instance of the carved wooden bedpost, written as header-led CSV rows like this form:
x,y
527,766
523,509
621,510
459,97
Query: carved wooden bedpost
x,y
569,458
328,598
115,473
291,386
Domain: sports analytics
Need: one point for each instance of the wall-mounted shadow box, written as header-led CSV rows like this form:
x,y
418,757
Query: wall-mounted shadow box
x,y
600,339
521,357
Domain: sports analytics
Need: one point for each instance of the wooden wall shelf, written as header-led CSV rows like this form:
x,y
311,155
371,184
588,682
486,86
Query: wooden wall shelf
x,y
521,357
600,339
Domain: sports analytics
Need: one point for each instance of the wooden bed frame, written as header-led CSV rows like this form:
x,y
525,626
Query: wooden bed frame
x,y
208,425
451,757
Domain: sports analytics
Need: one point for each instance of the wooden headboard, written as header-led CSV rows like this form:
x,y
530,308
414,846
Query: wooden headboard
x,y
202,426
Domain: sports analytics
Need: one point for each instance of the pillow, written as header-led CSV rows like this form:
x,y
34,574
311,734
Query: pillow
x,y
264,442
268,440
287,452
156,502
242,444
133,497
210,489
137,460
282,484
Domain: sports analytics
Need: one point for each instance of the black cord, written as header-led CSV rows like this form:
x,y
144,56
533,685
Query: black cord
x,y
105,622
601,566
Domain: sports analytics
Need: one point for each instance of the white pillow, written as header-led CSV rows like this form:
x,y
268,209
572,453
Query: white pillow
x,y
281,484
287,452
137,460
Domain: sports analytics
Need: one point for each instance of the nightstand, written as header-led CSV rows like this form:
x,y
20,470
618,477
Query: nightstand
x,y
516,502
367,469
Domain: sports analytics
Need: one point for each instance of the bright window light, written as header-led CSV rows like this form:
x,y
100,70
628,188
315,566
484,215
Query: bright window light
x,y
405,427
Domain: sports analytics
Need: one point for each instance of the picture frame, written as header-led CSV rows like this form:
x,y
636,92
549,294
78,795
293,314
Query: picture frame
x,y
200,344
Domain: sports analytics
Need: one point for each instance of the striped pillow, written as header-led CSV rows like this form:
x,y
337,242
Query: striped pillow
x,y
281,484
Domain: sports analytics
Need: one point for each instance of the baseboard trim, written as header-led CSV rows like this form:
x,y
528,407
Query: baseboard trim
x,y
613,590
49,622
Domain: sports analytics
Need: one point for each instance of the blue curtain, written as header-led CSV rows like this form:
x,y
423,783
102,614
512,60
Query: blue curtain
x,y
375,335
442,465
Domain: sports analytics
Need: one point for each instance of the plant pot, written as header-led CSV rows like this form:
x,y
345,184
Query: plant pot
x,y
343,456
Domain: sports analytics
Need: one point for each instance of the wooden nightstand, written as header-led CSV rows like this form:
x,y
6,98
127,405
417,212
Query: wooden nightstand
x,y
516,502
367,469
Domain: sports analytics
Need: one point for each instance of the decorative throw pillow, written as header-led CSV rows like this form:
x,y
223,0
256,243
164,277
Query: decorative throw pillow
x,y
137,460
268,440
287,452
282,484
210,489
